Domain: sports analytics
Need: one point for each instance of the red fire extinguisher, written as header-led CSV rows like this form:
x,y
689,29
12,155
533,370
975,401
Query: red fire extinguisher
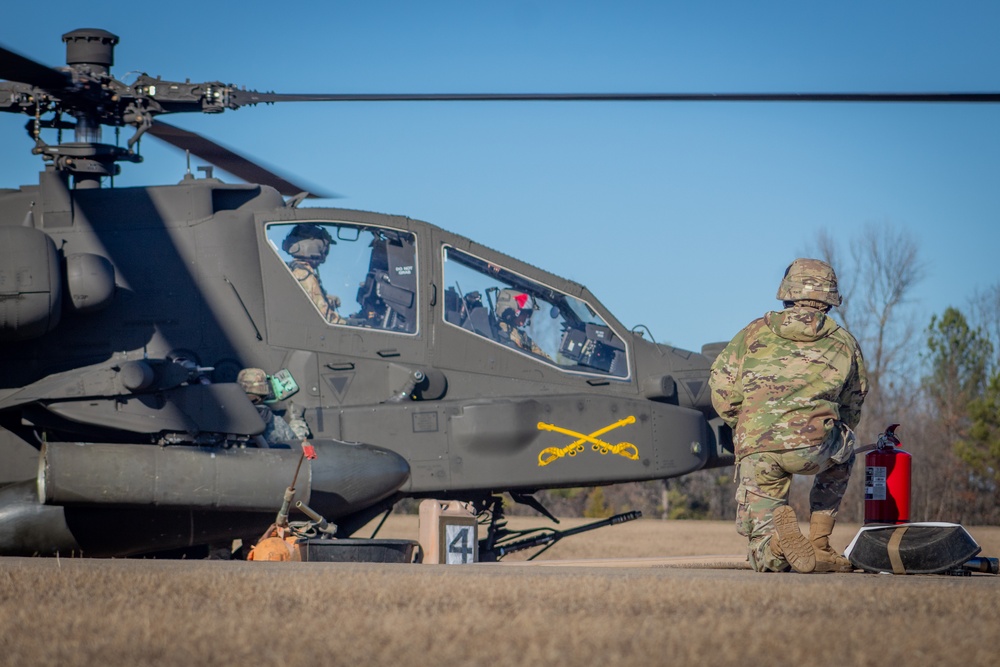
x,y
887,481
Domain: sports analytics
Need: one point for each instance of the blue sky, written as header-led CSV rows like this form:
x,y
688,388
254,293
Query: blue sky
x,y
678,216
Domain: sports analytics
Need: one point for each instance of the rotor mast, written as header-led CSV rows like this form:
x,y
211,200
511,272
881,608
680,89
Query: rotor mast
x,y
89,51
89,55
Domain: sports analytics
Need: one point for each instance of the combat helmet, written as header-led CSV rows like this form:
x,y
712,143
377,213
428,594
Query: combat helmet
x,y
810,280
308,242
510,304
254,382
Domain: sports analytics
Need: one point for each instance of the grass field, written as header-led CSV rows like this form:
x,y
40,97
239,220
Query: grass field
x,y
144,612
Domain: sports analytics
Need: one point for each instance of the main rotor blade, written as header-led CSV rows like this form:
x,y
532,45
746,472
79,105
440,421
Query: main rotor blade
x,y
230,161
253,97
15,67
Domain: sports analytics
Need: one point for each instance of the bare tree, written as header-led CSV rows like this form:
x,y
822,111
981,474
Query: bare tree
x,y
877,276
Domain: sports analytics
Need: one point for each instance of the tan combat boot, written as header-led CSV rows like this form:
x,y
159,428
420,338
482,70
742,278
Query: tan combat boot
x,y
827,560
789,542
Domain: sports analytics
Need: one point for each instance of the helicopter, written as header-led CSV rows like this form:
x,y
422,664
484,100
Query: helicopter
x,y
422,363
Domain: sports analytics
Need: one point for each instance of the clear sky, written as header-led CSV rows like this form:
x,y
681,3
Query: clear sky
x,y
679,216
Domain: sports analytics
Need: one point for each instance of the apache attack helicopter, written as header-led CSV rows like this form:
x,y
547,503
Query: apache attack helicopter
x,y
422,364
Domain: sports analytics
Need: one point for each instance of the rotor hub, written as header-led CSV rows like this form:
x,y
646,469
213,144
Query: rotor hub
x,y
90,46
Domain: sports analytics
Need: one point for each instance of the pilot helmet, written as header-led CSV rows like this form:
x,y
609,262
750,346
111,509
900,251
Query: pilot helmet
x,y
810,280
254,382
308,242
511,305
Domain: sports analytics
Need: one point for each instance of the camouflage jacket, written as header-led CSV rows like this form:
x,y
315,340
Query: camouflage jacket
x,y
308,279
519,339
276,429
786,379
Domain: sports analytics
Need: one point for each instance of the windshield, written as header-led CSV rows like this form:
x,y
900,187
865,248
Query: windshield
x,y
354,275
546,324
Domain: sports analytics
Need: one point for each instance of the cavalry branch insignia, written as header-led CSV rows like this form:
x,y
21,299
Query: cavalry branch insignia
x,y
550,454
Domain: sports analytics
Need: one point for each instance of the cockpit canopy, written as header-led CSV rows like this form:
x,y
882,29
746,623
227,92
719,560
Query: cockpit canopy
x,y
514,310
362,275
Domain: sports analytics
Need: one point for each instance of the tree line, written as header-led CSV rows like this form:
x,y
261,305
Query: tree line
x,y
939,378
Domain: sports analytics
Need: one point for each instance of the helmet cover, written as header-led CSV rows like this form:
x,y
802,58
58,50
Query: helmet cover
x,y
810,280
308,242
254,381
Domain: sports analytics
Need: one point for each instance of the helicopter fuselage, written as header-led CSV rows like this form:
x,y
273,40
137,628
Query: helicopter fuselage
x,y
393,341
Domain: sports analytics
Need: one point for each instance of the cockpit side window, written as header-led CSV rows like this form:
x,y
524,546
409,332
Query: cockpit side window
x,y
354,275
539,321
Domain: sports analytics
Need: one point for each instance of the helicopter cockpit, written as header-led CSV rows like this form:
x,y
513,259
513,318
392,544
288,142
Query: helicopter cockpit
x,y
355,275
513,310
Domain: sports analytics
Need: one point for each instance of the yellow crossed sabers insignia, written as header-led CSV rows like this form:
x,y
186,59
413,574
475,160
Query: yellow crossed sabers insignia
x,y
550,454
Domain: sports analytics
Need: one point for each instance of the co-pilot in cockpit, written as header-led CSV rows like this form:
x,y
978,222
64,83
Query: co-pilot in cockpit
x,y
514,311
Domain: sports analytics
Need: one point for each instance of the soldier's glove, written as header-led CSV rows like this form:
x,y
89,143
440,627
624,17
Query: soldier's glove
x,y
298,425
334,301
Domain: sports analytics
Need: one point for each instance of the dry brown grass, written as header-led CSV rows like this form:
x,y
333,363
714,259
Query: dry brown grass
x,y
89,612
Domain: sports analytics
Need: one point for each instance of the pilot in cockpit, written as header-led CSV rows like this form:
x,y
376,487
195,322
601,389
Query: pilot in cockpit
x,y
309,244
514,310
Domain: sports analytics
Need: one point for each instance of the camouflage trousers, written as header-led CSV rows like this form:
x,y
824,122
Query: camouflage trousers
x,y
764,481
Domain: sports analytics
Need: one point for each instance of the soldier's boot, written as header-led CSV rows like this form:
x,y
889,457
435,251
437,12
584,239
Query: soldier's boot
x,y
789,542
827,560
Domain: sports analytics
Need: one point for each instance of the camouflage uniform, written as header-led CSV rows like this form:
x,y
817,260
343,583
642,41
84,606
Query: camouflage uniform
x,y
309,244
308,277
791,385
517,338
276,429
